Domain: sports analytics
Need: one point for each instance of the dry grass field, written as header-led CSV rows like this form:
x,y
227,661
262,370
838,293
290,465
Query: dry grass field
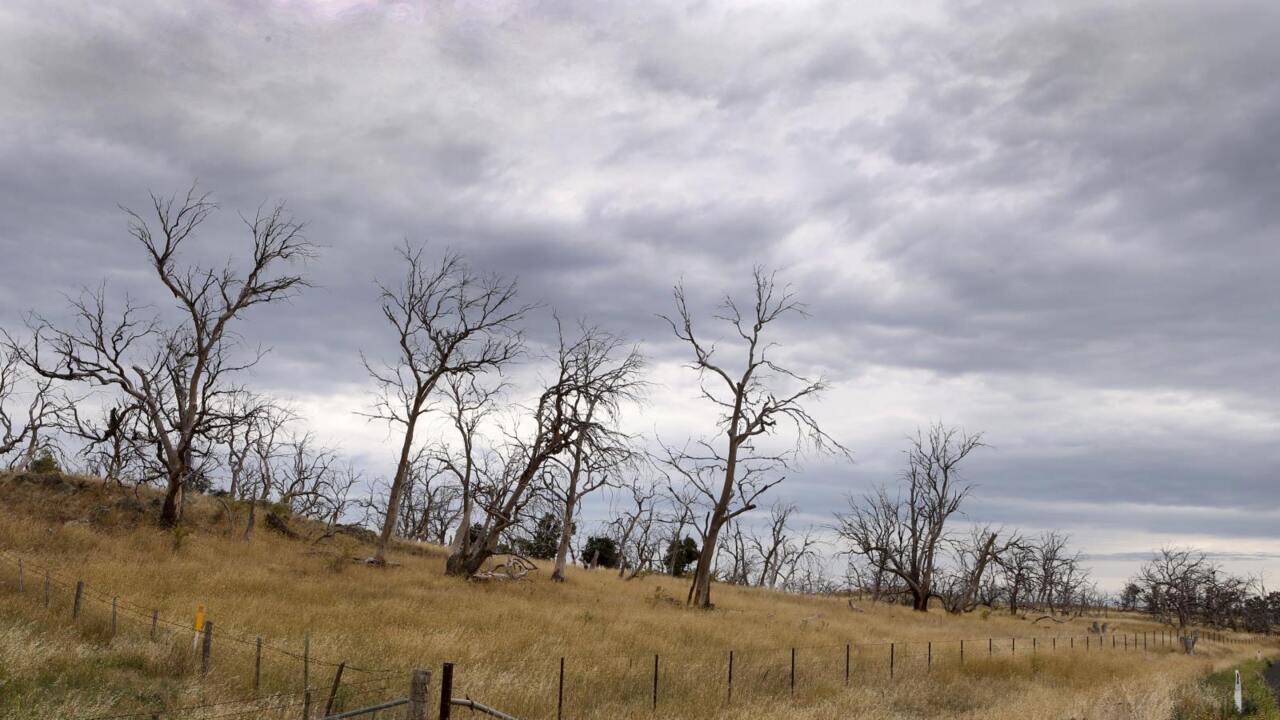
x,y
506,639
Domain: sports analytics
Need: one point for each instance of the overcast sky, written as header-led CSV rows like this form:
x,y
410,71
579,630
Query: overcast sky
x,y
1055,226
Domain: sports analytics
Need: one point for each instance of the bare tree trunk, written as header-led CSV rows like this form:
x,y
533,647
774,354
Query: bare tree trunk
x,y
566,531
171,513
397,485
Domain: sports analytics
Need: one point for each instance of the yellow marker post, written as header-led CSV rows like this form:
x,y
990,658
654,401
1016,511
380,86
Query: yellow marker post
x,y
195,639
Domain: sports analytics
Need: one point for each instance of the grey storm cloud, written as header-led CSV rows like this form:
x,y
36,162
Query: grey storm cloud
x,y
1051,207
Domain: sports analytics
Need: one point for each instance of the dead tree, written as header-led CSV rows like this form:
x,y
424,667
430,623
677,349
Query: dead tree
x,y
1174,583
468,404
115,445
446,321
907,531
41,409
179,374
431,503
752,399
588,467
633,525
312,482
588,374
1017,565
975,557
268,441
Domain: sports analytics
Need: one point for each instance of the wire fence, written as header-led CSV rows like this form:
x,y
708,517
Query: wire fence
x,y
590,684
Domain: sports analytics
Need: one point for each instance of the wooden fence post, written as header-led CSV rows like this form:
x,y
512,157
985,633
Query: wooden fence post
x,y
1013,645
928,667
75,607
990,646
22,585
257,666
891,653
155,619
847,652
419,681
961,652
446,691
46,589
306,704
115,602
333,691
206,647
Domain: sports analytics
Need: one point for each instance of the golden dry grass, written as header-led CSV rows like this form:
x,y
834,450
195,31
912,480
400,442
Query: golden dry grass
x,y
506,639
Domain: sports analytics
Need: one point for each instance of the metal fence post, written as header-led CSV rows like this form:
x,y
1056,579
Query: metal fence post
x,y
560,692
729,697
333,691
446,692
793,672
655,681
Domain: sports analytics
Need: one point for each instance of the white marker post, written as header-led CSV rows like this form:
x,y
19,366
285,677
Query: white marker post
x,y
1239,694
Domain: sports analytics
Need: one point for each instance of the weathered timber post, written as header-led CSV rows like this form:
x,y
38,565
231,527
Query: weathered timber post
x,y
115,603
75,606
155,619
206,647
419,684
257,666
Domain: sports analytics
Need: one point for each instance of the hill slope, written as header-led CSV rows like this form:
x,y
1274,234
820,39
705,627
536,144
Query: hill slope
x,y
506,639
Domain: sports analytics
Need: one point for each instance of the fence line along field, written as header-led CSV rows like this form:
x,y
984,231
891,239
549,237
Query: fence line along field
x,y
286,612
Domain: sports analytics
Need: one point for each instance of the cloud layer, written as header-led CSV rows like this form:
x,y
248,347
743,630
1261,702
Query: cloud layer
x,y
1056,225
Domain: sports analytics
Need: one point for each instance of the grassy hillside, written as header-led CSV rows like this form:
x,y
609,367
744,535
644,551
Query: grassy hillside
x,y
506,639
